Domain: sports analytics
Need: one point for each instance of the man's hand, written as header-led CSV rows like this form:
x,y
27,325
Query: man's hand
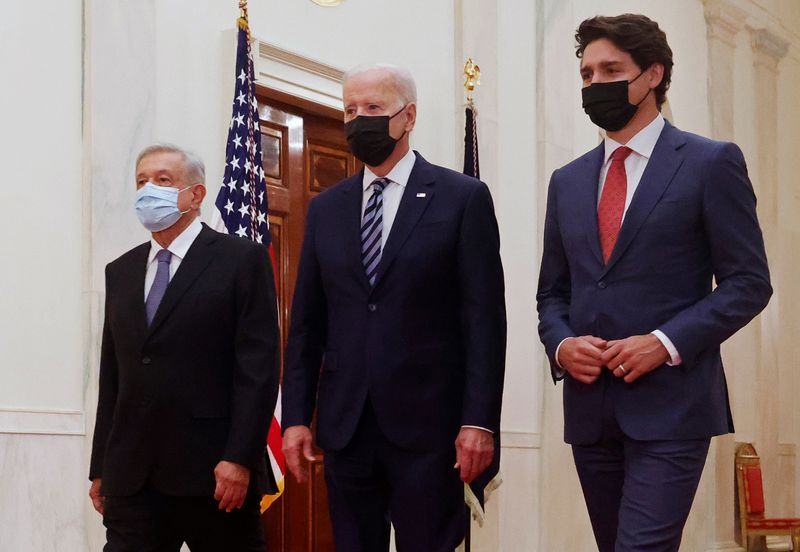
x,y
232,481
98,500
635,356
582,357
297,443
474,451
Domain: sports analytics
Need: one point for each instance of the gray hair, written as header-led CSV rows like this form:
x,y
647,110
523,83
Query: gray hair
x,y
193,166
402,80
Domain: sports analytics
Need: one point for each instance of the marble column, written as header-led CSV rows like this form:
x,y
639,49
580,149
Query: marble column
x,y
501,38
119,119
768,49
724,22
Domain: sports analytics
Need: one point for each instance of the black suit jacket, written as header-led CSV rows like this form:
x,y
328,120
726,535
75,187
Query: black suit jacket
x,y
427,343
197,386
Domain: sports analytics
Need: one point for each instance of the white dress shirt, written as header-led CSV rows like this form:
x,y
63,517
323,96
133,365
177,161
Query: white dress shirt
x,y
392,193
178,248
642,145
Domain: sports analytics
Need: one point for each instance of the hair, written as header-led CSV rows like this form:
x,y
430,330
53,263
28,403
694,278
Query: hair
x,y
401,79
194,169
638,35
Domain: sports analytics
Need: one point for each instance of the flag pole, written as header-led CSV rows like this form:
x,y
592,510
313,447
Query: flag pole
x,y
472,75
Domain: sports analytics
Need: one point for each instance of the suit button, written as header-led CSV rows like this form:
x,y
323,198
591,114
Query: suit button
x,y
601,285
372,307
146,360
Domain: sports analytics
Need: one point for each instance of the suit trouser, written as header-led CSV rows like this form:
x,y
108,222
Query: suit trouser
x,y
372,483
638,493
150,521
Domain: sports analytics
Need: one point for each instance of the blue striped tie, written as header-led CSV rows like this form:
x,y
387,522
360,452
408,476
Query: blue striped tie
x,y
159,287
371,229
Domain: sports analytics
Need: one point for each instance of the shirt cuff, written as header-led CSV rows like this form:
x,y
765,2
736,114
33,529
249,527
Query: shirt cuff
x,y
478,427
674,356
560,372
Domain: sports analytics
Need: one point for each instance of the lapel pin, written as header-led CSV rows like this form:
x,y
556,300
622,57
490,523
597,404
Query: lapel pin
x,y
421,194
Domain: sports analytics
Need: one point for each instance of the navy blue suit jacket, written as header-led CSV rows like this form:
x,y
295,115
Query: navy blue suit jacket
x,y
427,343
692,218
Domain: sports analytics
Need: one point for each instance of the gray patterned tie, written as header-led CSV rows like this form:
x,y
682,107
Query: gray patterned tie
x,y
159,286
371,229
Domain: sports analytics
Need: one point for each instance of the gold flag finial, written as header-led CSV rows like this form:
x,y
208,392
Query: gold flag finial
x,y
472,74
243,16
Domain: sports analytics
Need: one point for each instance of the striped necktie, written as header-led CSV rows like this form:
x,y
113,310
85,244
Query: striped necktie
x,y
371,229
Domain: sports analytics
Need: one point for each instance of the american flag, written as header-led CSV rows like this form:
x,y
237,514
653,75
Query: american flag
x,y
241,206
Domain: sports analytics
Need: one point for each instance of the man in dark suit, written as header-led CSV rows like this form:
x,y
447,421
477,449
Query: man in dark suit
x,y
635,231
400,301
188,376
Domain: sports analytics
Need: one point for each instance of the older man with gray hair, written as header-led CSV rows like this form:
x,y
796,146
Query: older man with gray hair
x,y
188,375
400,301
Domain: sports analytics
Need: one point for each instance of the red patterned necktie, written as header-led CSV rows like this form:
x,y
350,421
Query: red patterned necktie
x,y
612,201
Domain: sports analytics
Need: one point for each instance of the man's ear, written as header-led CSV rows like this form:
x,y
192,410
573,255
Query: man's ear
x,y
655,74
198,193
411,116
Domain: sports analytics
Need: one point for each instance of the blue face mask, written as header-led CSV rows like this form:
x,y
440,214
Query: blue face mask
x,y
157,206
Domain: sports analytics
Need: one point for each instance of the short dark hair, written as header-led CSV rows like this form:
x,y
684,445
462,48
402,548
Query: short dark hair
x,y
636,34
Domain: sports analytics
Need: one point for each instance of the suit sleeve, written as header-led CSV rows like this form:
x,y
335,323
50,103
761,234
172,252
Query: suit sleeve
x,y
738,258
307,334
254,388
483,312
107,399
554,291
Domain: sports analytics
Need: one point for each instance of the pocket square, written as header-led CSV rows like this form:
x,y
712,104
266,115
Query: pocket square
x,y
421,194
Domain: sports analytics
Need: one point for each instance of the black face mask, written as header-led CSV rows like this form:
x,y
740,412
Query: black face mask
x,y
369,138
607,105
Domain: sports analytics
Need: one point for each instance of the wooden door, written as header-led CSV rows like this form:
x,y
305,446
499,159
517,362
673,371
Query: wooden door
x,y
305,152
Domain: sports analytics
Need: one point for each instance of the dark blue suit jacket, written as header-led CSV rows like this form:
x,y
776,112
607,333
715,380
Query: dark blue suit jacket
x,y
692,218
427,343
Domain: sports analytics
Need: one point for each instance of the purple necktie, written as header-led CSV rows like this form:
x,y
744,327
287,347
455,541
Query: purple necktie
x,y
159,287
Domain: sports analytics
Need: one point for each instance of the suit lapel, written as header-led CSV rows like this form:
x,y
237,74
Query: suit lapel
x,y
664,163
352,198
586,200
197,259
416,198
134,293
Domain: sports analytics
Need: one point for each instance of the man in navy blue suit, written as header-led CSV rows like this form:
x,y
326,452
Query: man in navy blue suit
x,y
400,300
635,232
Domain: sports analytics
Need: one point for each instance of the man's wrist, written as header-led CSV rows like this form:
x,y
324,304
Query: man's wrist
x,y
674,356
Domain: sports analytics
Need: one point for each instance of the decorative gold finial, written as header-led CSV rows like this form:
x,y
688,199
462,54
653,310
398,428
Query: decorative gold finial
x,y
243,9
472,74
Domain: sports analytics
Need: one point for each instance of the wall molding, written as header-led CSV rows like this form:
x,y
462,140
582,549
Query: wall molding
x,y
787,449
25,421
520,439
725,547
298,75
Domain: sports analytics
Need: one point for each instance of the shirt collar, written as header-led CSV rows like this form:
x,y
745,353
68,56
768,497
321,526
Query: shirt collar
x,y
180,245
399,173
642,143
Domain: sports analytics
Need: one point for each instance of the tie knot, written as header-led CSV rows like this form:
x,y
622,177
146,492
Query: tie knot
x,y
163,256
380,183
621,153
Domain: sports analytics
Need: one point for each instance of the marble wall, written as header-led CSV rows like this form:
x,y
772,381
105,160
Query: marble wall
x,y
41,307
114,76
